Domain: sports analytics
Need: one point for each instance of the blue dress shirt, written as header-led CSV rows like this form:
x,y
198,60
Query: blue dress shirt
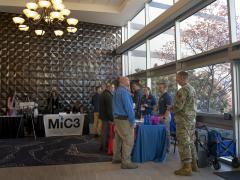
x,y
123,104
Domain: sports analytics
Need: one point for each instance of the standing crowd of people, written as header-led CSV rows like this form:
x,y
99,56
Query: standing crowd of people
x,y
122,105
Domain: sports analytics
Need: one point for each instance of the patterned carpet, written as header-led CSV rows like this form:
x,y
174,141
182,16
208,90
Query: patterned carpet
x,y
50,151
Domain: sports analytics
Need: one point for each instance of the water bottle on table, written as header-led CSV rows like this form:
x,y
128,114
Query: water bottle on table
x,y
147,120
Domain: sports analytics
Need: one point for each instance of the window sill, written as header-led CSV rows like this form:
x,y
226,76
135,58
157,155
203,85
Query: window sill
x,y
215,120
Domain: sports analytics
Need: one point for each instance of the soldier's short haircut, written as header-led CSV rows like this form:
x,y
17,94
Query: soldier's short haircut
x,y
183,74
164,84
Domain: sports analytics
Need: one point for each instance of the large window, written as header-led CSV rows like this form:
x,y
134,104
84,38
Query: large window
x,y
205,30
137,23
162,48
124,33
237,6
125,64
157,7
170,80
213,86
138,59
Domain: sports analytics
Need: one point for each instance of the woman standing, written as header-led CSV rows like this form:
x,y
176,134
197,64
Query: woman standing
x,y
148,102
53,105
11,111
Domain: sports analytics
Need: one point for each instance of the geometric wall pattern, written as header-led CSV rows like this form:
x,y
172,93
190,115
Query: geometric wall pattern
x,y
73,64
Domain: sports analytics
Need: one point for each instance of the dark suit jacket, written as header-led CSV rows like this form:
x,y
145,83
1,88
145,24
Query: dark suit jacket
x,y
95,102
53,106
105,106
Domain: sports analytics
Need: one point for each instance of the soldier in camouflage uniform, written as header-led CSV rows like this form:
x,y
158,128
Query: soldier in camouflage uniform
x,y
185,116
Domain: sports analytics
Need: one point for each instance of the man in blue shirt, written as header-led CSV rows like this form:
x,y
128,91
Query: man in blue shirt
x,y
124,121
164,105
165,100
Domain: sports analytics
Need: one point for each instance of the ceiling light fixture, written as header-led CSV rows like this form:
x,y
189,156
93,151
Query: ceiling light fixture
x,y
58,32
46,13
23,27
18,20
39,32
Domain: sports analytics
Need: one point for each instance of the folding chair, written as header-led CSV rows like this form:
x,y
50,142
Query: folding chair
x,y
173,131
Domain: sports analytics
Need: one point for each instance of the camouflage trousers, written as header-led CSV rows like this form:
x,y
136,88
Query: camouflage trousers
x,y
186,142
123,141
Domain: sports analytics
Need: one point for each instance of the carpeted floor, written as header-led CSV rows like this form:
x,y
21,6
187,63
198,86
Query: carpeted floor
x,y
50,151
229,175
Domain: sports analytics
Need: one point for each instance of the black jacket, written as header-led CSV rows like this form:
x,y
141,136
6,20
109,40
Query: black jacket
x,y
95,102
53,105
105,106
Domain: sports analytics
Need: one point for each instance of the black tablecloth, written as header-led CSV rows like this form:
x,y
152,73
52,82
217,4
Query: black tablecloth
x,y
9,127
39,126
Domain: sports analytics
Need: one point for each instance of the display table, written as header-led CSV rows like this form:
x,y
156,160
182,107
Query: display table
x,y
39,126
150,144
63,124
9,127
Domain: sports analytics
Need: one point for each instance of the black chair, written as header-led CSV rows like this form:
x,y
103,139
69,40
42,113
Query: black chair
x,y
173,136
173,131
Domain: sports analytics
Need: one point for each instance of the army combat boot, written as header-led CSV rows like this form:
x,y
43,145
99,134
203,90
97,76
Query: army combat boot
x,y
186,170
194,166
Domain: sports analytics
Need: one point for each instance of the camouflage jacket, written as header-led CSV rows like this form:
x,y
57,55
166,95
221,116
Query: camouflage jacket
x,y
185,102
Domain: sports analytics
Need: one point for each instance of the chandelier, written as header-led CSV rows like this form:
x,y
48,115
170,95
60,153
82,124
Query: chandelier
x,y
46,12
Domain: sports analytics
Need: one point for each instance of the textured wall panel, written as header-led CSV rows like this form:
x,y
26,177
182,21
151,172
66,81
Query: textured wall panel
x,y
74,64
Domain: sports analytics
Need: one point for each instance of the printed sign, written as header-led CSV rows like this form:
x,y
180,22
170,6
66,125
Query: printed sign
x,y
63,125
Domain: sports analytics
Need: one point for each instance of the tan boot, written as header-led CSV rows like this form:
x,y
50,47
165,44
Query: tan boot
x,y
129,166
194,166
186,170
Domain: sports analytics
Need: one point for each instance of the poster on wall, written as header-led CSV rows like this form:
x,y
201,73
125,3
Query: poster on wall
x,y
63,124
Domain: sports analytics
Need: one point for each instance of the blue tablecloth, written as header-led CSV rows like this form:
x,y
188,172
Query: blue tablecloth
x,y
150,143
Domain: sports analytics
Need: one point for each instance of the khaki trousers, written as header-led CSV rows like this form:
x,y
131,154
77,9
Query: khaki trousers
x,y
97,124
123,141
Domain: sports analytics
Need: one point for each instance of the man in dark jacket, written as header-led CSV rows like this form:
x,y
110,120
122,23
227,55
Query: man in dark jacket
x,y
138,94
106,114
97,122
53,104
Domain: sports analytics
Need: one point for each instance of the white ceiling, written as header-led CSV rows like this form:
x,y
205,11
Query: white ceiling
x,y
113,2
111,12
